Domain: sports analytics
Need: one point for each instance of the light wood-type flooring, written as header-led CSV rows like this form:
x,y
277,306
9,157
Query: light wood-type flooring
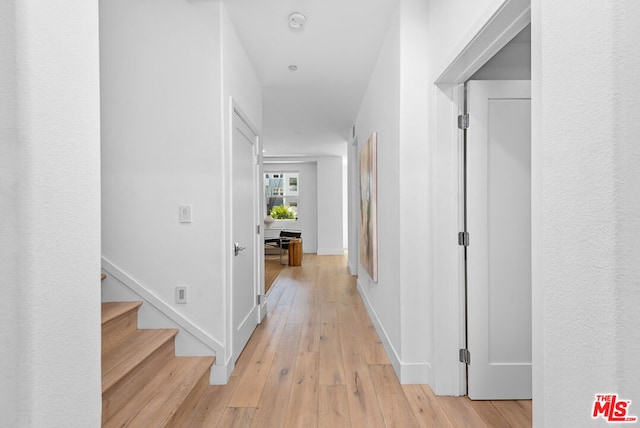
x,y
316,361
272,268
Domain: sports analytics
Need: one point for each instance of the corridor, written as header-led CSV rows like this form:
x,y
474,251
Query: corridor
x,y
316,360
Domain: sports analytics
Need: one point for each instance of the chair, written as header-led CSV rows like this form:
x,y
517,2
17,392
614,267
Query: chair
x,y
282,242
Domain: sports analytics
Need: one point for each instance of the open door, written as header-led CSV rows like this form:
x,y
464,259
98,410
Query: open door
x,y
244,288
499,240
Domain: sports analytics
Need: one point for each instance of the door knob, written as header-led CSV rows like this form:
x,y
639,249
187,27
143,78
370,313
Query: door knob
x,y
237,248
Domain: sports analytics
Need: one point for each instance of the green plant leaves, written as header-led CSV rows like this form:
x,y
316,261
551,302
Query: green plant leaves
x,y
282,213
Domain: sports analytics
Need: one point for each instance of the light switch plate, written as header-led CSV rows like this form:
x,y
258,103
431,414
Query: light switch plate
x,y
181,294
184,213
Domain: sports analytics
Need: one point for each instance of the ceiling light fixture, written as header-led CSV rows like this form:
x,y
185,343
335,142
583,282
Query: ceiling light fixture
x,y
293,67
297,20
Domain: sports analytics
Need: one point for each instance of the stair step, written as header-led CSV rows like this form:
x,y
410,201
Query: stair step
x,y
167,396
128,355
112,310
119,319
130,364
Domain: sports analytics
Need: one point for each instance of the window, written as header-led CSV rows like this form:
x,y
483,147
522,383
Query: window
x,y
281,195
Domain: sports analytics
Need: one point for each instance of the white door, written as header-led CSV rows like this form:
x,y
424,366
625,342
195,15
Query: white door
x,y
499,250
244,284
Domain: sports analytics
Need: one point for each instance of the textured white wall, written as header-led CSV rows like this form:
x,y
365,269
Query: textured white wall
x,y
50,254
587,206
9,182
626,102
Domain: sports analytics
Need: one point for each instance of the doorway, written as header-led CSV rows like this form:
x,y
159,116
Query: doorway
x,y
244,210
450,376
497,244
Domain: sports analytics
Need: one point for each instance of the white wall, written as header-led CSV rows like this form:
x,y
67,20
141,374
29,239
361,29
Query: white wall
x,y
353,198
330,197
418,289
329,201
379,113
452,24
586,207
169,70
307,203
240,81
9,219
241,86
50,211
449,32
512,62
162,147
345,205
585,204
415,207
395,106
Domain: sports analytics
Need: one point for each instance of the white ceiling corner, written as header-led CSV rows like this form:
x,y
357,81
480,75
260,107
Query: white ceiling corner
x,y
311,111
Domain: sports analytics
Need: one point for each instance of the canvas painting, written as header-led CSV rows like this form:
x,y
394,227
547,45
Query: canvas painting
x,y
369,208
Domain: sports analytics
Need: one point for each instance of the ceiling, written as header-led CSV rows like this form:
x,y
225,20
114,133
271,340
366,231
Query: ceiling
x,y
311,111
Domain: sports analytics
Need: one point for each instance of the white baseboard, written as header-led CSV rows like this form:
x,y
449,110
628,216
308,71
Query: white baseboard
x,y
220,373
408,373
353,270
415,373
155,313
330,252
391,352
262,310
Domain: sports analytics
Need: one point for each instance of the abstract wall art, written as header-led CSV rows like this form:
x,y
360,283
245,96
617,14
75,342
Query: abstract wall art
x,y
369,207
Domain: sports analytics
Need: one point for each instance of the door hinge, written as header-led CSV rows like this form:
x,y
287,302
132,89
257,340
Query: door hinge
x,y
463,239
463,121
465,356
259,298
257,229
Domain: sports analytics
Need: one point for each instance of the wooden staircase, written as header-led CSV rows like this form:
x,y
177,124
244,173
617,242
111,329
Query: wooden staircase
x,y
143,383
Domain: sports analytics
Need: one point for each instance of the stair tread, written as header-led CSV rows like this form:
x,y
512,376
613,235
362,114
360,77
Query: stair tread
x,y
156,403
130,352
112,310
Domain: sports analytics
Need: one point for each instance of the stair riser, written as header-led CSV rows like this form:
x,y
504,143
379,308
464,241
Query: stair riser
x,y
183,413
118,328
122,391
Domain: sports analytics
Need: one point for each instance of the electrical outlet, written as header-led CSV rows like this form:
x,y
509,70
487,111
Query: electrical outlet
x,y
181,294
184,213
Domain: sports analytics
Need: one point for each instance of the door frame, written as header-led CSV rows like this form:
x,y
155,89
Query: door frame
x,y
478,263
258,281
352,207
492,34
